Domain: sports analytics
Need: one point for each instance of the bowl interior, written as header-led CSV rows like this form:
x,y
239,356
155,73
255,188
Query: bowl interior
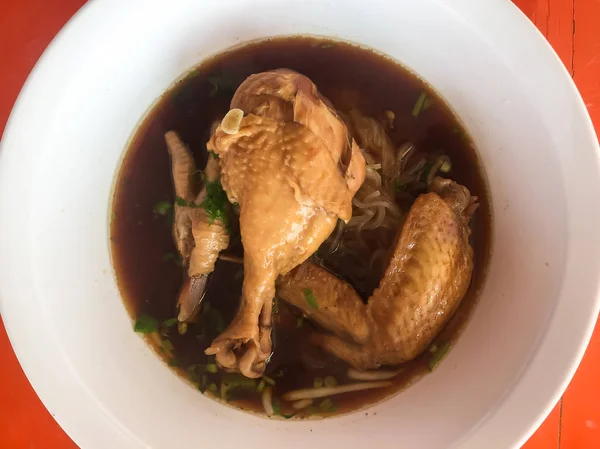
x,y
101,77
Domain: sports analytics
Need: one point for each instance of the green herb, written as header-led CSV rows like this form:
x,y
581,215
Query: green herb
x,y
261,386
203,382
310,298
215,202
145,324
182,328
433,348
193,370
213,154
211,368
268,380
235,382
276,406
327,406
169,256
438,354
317,382
299,322
446,166
170,322
167,345
162,208
426,169
173,257
213,388
221,83
215,319
180,201
423,103
330,381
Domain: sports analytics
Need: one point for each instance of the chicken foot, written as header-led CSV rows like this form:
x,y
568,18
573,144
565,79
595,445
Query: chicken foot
x,y
198,238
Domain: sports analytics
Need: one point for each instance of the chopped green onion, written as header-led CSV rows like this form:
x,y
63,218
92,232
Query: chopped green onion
x,y
162,208
317,382
168,345
310,298
170,322
213,154
330,381
261,386
180,201
423,103
230,382
326,405
446,166
192,373
211,368
213,388
299,322
221,83
438,355
312,410
145,324
268,380
276,406
169,256
182,328
215,319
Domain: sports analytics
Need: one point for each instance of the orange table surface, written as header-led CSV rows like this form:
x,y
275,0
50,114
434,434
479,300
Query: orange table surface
x,y
573,29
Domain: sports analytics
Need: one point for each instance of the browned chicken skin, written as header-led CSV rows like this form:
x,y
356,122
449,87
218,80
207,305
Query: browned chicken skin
x,y
198,238
427,277
293,171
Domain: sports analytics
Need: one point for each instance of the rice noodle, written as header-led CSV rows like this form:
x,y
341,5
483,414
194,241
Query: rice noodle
x,y
302,403
373,374
230,258
267,401
321,392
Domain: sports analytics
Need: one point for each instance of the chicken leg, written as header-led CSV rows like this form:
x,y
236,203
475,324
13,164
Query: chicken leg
x,y
293,170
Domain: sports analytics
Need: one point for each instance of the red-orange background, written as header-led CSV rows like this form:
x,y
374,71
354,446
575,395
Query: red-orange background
x,y
573,29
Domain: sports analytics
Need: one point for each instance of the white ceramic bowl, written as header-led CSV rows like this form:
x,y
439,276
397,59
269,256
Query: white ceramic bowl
x,y
66,137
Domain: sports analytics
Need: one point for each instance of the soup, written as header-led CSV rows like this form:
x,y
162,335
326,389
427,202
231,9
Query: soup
x,y
366,89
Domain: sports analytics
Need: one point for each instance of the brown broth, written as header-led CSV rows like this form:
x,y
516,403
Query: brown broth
x,y
149,280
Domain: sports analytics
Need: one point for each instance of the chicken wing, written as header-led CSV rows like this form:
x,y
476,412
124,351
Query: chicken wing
x,y
427,277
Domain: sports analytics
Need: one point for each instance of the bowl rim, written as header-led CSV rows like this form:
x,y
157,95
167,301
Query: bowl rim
x,y
21,335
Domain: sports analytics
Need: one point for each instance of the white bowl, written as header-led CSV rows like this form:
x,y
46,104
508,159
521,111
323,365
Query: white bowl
x,y
66,137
